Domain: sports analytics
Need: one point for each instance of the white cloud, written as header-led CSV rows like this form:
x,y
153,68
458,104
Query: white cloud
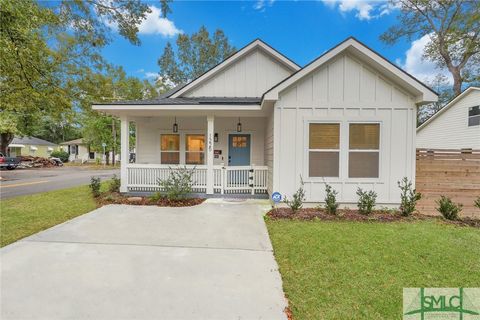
x,y
151,75
262,4
155,24
363,9
419,67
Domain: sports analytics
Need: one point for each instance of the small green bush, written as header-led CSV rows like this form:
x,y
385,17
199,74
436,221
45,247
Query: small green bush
x,y
156,196
95,186
448,208
476,203
366,201
409,197
114,184
179,183
297,199
62,155
331,204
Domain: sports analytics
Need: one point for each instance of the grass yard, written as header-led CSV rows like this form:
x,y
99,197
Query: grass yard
x,y
25,215
352,270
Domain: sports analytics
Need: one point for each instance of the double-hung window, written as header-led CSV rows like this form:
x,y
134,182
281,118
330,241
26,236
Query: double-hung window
x,y
364,150
170,149
324,149
474,116
194,149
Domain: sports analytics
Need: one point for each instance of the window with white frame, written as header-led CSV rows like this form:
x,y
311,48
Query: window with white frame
x,y
170,149
364,150
323,149
194,149
474,116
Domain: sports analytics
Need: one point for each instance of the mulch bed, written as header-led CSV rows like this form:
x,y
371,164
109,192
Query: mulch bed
x,y
353,215
116,198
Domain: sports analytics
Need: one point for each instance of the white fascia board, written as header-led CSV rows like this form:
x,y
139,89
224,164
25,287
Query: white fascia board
x,y
236,56
424,95
447,106
193,107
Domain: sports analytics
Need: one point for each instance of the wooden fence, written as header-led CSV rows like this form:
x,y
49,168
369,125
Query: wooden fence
x,y
453,173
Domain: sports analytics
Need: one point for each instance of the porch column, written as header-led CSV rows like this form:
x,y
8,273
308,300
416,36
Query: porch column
x,y
124,152
210,133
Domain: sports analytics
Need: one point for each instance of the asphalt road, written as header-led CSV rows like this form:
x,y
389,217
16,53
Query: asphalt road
x,y
20,182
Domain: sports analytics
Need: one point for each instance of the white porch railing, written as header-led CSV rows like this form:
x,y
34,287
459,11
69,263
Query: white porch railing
x,y
244,179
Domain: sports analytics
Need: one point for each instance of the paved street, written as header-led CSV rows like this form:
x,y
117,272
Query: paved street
x,y
211,261
28,181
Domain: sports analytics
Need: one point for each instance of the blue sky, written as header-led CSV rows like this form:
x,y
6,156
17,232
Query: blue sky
x,y
302,30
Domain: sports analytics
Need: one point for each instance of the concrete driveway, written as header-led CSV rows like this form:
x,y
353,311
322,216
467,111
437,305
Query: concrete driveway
x,y
212,261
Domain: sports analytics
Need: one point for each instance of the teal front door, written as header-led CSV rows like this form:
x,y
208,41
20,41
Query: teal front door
x,y
239,150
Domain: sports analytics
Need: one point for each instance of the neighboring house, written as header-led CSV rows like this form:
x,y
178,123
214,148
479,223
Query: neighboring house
x,y
258,122
79,150
455,126
30,146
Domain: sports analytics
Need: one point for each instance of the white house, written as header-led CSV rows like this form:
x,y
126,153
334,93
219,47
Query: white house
x,y
455,126
79,150
257,123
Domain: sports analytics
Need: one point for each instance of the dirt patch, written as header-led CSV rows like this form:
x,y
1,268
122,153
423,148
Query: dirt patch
x,y
117,198
353,215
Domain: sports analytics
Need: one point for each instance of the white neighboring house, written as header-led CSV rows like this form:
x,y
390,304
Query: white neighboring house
x,y
78,150
257,122
455,126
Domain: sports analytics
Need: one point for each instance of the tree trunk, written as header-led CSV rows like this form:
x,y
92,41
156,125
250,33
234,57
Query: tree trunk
x,y
107,157
457,80
5,140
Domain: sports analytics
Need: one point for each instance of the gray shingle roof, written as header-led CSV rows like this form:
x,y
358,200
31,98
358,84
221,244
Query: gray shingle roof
x,y
76,141
193,100
32,141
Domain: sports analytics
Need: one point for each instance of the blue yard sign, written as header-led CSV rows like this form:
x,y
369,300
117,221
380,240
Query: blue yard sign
x,y
276,197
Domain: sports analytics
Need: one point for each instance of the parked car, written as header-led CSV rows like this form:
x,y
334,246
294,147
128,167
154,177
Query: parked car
x,y
57,161
9,162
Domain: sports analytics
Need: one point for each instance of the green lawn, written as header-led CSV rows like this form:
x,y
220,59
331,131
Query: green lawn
x,y
26,215
351,270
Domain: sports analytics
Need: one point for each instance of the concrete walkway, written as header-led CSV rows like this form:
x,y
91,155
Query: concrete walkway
x,y
212,261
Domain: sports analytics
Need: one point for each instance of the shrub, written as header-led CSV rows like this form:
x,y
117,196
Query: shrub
x,y
448,208
62,155
409,197
114,184
476,203
331,204
95,186
297,199
366,201
155,196
179,183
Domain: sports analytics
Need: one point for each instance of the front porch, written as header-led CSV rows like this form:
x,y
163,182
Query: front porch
x,y
226,180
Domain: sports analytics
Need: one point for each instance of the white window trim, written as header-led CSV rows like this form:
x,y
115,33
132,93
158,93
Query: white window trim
x,y
380,149
185,151
179,147
306,173
182,134
344,150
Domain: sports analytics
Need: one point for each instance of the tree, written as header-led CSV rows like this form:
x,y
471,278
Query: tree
x,y
196,54
445,93
453,27
45,46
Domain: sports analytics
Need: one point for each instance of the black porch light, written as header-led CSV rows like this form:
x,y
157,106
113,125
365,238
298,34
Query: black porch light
x,y
215,137
239,126
175,126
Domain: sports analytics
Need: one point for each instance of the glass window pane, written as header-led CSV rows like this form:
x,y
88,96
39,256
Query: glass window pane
x,y
170,157
324,136
195,142
323,164
474,121
364,136
363,164
170,142
194,158
474,111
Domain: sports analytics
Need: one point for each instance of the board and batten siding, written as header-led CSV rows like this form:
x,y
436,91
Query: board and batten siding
x,y
450,130
250,76
269,129
344,90
150,129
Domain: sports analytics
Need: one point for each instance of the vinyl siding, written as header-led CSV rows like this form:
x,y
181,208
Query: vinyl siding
x,y
250,76
450,130
344,90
